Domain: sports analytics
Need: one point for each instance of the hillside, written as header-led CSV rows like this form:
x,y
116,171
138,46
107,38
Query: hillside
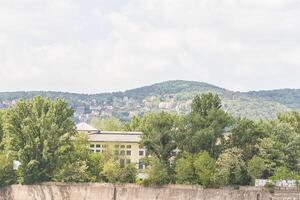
x,y
175,96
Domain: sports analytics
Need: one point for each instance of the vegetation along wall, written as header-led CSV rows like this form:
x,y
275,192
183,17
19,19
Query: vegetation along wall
x,y
60,191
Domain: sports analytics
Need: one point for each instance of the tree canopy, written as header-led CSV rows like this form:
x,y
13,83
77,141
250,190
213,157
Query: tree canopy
x,y
207,146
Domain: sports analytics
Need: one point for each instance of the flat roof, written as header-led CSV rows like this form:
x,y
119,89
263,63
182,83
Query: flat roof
x,y
115,136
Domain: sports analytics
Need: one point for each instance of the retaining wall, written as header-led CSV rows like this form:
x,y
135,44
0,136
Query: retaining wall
x,y
59,191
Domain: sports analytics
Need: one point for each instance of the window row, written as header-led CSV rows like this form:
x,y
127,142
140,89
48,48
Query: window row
x,y
97,151
98,145
122,146
122,152
122,162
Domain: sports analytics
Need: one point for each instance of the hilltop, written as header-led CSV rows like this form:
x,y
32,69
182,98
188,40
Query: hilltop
x,y
175,96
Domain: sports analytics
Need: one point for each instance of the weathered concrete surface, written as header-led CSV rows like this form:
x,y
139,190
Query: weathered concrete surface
x,y
60,191
133,192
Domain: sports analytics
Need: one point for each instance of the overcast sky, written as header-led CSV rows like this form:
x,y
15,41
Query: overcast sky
x,y
108,45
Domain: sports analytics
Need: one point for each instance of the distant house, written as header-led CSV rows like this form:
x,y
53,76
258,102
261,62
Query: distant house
x,y
125,145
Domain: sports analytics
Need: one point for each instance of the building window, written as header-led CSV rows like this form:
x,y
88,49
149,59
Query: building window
x,y
92,150
122,162
122,146
128,146
128,153
128,161
141,166
98,145
141,153
122,153
116,152
98,150
92,145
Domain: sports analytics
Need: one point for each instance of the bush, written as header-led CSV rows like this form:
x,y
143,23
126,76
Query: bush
x,y
73,172
184,170
128,174
111,171
95,166
256,167
205,168
270,187
283,173
157,174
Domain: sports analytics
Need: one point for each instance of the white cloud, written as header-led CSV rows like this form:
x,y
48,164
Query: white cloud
x,y
95,46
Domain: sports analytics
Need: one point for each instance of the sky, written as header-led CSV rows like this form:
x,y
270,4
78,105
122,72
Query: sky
x,y
94,46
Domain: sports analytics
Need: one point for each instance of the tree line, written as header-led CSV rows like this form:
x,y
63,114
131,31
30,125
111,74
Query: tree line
x,y
206,147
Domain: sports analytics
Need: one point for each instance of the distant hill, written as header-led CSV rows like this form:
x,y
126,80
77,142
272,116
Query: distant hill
x,y
174,96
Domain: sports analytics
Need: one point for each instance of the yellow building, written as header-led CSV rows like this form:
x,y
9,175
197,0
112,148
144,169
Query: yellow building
x,y
125,145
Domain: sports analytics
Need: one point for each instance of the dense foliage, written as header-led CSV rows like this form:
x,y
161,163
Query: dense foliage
x,y
208,146
40,135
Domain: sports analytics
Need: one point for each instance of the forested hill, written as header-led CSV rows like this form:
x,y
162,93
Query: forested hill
x,y
168,96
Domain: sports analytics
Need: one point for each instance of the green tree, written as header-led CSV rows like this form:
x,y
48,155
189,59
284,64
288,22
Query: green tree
x,y
159,132
39,133
283,173
157,173
95,163
75,167
205,169
292,118
111,171
230,167
73,172
205,125
204,103
128,173
286,140
244,135
257,168
108,124
270,152
184,170
7,173
133,125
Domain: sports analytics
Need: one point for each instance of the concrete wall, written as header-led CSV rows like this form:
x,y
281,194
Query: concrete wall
x,y
59,191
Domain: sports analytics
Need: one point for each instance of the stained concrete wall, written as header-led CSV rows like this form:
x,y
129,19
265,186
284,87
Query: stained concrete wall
x,y
59,191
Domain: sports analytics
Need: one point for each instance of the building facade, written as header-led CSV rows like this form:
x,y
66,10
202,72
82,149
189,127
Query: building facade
x,y
124,145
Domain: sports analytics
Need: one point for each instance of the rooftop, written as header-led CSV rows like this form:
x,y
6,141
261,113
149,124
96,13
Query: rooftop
x,y
96,135
110,136
85,127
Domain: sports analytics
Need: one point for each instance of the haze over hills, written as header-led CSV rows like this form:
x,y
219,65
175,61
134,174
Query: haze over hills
x,y
173,96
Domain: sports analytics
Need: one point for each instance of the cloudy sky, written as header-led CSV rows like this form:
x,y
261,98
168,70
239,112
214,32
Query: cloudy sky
x,y
107,45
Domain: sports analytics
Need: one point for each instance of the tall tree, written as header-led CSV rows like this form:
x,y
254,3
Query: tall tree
x,y
159,131
205,125
159,139
39,133
203,103
244,135
231,167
